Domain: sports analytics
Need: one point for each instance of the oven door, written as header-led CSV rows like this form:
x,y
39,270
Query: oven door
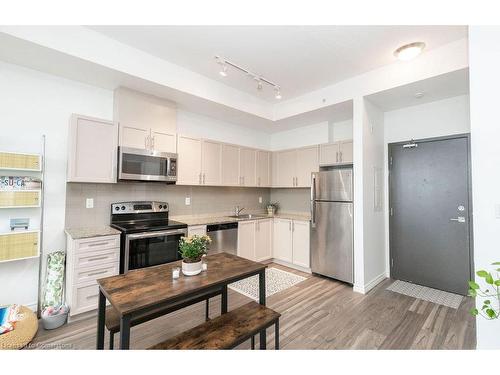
x,y
146,165
151,248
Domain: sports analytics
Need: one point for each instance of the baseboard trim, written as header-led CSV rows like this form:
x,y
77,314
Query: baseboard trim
x,y
363,289
290,265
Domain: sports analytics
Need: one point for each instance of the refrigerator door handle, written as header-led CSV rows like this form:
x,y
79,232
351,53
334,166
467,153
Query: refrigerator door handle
x,y
313,200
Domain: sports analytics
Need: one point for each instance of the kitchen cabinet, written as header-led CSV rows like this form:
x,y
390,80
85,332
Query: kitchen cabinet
x,y
211,154
300,243
291,241
145,121
307,161
89,259
199,230
189,162
246,239
263,240
286,161
230,165
263,168
92,150
248,162
336,153
282,240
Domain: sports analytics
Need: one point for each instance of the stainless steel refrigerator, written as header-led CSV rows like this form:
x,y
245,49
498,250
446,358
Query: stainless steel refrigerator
x,y
332,223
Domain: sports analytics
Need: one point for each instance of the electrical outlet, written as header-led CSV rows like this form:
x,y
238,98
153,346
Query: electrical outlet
x,y
188,201
497,211
89,203
260,199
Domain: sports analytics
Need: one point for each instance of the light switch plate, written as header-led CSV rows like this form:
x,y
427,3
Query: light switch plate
x,y
497,210
188,201
89,203
260,199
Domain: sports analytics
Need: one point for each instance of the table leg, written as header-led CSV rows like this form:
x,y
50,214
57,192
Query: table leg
x,y
101,316
125,332
262,301
277,335
223,306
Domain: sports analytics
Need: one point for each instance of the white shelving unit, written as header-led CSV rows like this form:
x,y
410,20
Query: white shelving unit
x,y
16,246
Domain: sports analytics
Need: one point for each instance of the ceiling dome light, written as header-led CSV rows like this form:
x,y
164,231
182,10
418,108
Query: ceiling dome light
x,y
223,71
409,51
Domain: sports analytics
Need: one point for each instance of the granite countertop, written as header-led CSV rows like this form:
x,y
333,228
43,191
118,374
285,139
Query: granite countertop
x,y
221,219
89,232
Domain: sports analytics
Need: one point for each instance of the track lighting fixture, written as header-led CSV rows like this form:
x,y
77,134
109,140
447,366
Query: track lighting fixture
x,y
224,63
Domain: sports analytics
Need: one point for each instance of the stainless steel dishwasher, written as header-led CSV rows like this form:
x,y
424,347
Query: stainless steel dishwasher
x,y
224,238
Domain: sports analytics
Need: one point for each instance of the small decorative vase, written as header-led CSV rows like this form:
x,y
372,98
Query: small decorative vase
x,y
191,269
270,211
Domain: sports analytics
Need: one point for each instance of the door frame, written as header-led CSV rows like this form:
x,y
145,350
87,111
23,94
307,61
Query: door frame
x,y
469,188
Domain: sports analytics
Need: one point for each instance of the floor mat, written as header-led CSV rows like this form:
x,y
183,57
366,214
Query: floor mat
x,y
427,294
276,281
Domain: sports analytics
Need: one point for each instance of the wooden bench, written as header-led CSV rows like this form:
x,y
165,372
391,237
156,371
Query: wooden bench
x,y
228,330
113,318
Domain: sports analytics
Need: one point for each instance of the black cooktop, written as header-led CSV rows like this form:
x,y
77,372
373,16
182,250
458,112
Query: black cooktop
x,y
148,226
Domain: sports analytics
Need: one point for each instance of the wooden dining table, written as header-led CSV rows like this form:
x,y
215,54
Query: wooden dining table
x,y
138,291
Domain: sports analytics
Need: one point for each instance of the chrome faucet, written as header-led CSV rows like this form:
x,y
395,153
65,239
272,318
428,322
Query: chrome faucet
x,y
237,210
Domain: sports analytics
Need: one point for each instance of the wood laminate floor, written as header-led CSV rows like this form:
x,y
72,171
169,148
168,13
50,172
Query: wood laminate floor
x,y
317,313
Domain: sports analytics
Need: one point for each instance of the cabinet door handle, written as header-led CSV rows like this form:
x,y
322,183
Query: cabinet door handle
x,y
97,273
152,143
96,244
92,296
290,226
203,178
199,178
337,156
146,142
98,258
258,181
340,157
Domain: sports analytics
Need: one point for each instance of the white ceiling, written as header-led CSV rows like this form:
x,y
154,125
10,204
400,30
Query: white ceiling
x,y
435,88
299,58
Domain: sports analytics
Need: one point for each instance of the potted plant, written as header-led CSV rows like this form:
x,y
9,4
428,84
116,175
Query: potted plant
x,y
491,296
192,249
272,207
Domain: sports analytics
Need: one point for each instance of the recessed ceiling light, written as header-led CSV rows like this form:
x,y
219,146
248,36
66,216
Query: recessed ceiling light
x,y
409,51
278,93
223,70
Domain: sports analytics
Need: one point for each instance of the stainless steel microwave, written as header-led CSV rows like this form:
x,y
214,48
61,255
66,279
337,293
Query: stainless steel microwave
x,y
146,165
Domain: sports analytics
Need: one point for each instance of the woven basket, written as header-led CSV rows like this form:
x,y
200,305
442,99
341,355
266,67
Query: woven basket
x,y
24,331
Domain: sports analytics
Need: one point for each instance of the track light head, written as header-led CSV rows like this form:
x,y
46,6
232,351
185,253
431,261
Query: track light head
x,y
278,93
223,70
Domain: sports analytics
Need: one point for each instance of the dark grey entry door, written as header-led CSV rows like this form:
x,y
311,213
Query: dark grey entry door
x,y
429,213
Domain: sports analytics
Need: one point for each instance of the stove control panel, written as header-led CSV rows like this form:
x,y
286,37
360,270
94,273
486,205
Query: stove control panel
x,y
138,207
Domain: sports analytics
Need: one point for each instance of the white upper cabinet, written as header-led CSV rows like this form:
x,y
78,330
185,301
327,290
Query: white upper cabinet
x,y
145,121
346,152
211,154
286,163
230,165
263,168
92,150
248,167
189,162
336,153
306,163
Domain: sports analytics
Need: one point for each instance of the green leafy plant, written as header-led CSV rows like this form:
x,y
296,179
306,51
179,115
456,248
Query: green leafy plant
x,y
490,310
192,248
274,205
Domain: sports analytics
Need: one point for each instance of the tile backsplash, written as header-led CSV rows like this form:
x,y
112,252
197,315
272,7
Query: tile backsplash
x,y
204,200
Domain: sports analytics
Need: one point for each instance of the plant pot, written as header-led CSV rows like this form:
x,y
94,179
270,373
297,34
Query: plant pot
x,y
191,269
271,211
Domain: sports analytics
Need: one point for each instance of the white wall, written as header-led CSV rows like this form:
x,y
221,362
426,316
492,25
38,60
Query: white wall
x,y
339,131
435,119
484,54
33,104
369,240
189,123
304,136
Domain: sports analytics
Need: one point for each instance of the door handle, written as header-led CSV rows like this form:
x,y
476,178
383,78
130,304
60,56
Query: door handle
x,y
460,219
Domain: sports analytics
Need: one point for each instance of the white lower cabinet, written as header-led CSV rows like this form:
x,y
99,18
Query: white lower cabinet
x,y
246,239
89,259
291,241
263,240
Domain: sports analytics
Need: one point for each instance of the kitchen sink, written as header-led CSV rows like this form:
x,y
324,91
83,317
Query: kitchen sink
x,y
246,216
